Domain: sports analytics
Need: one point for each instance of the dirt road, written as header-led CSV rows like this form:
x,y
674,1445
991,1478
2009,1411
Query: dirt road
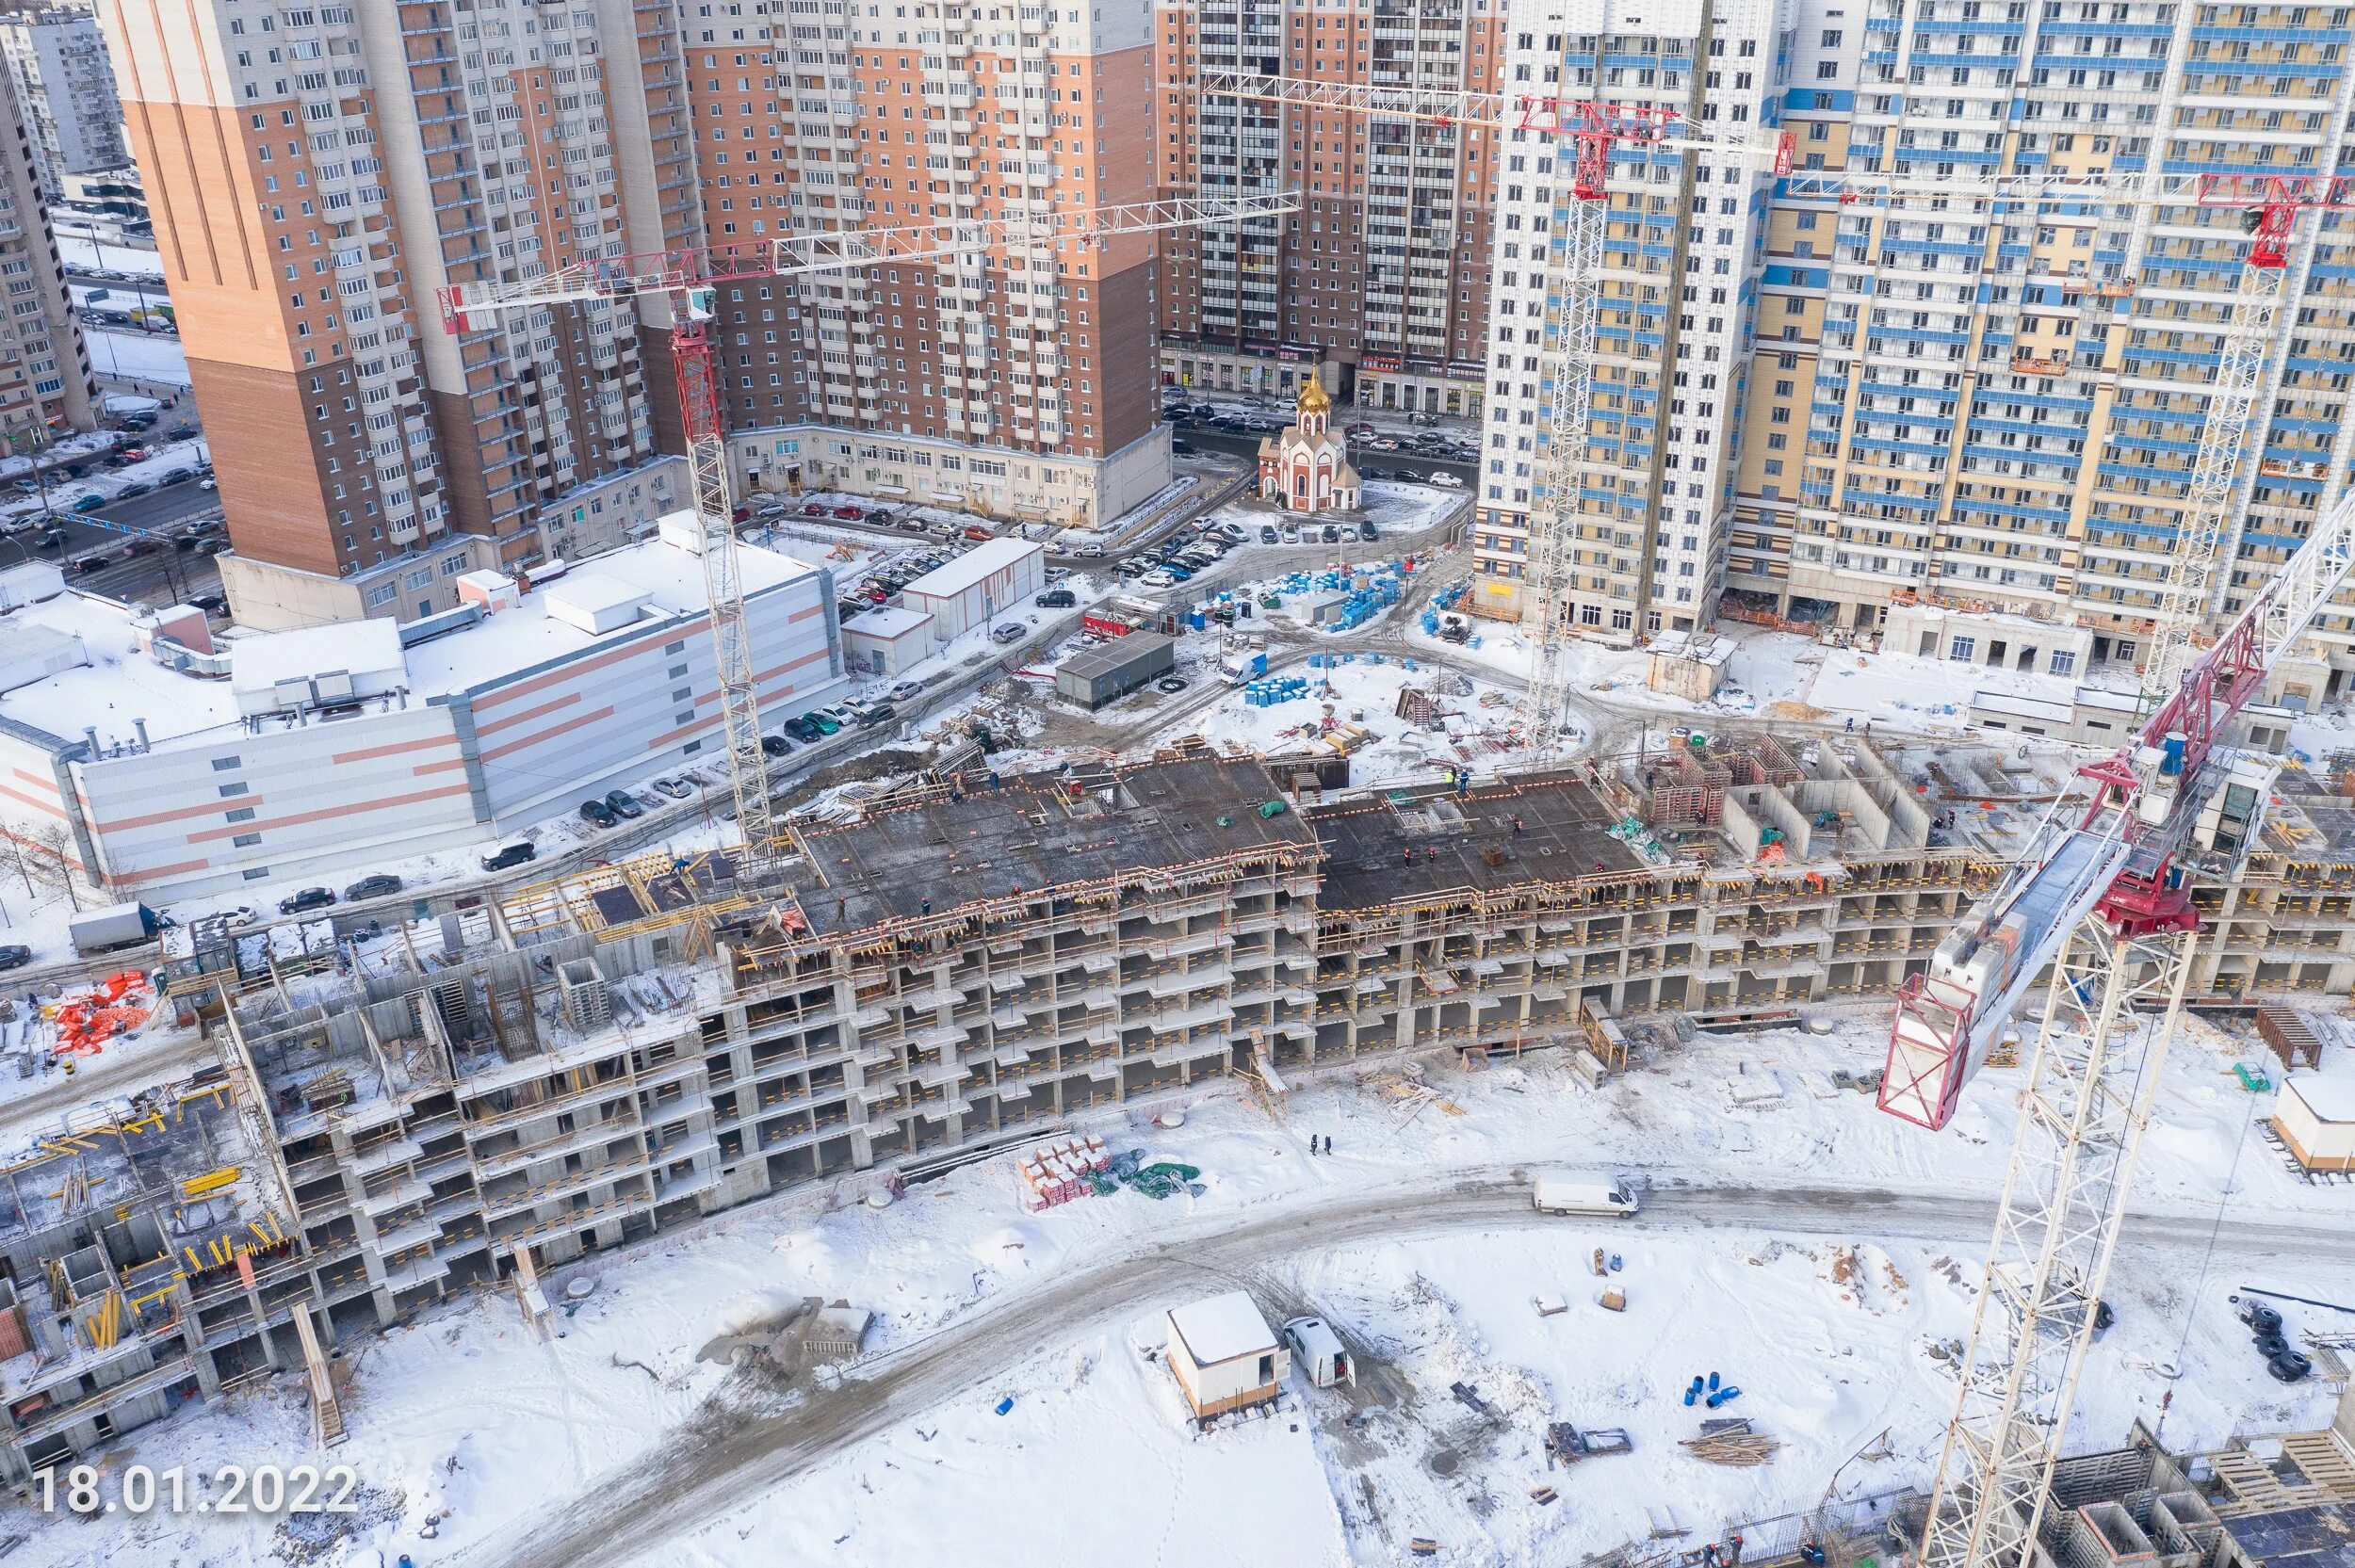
x,y
736,1453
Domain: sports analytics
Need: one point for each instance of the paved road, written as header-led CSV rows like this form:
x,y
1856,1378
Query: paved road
x,y
148,577
737,1451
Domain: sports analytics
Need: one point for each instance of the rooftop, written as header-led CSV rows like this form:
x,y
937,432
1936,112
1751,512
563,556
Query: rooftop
x,y
519,639
1464,840
1037,831
121,684
1220,1328
118,685
953,577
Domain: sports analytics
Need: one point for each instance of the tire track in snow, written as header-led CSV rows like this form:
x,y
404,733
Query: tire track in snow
x,y
711,1464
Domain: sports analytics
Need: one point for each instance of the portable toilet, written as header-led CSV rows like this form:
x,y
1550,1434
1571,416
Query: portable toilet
x,y
1318,1350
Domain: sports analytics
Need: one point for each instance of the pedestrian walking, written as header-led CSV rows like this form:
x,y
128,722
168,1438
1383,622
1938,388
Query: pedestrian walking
x,y
1852,724
1328,1143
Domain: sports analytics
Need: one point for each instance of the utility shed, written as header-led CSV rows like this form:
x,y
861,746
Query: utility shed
x,y
1109,672
1225,1355
2315,1118
976,586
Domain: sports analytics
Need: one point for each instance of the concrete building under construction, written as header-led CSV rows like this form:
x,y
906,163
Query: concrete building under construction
x,y
357,1129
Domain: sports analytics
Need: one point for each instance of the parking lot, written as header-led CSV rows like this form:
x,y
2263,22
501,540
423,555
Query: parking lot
x,y
1430,454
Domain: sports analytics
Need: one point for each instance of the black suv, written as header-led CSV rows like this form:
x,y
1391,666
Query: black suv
x,y
513,855
14,957
594,810
309,898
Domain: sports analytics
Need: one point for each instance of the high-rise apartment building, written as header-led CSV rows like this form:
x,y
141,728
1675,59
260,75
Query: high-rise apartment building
x,y
45,381
1016,382
1383,271
1995,411
58,61
2007,407
1683,252
316,174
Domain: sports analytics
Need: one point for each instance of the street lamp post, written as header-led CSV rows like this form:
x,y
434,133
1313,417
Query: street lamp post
x,y
31,436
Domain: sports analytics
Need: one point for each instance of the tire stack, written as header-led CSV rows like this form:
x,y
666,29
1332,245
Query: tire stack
x,y
2285,1362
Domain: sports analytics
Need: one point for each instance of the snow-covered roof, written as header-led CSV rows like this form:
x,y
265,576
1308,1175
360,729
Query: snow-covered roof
x,y
122,684
118,685
671,580
2018,706
1222,1328
368,649
2329,1087
951,578
888,623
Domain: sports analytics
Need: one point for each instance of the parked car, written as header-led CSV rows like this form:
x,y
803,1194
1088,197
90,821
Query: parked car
x,y
851,514
132,454
1181,449
509,857
871,714
1160,579
824,722
309,898
1014,631
1268,534
1445,480
182,431
904,691
15,957
1056,598
382,885
211,603
1292,533
805,730
621,803
676,789
1332,534
770,746
594,810
1365,531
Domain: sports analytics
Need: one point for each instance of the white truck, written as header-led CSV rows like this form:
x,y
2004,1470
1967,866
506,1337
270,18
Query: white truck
x,y
1582,1193
98,930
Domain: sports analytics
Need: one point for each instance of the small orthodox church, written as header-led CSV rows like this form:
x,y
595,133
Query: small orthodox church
x,y
1306,468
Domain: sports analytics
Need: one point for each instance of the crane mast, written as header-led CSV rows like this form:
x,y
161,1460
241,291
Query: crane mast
x,y
2100,892
686,280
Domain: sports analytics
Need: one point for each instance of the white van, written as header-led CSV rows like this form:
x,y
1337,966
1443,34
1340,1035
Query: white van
x,y
1582,1192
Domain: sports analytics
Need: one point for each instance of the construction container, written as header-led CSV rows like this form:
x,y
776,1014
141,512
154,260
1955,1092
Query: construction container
x,y
1094,676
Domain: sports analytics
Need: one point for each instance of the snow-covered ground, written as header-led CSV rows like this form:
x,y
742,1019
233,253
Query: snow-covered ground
x,y
137,356
1351,705
1837,1324
84,254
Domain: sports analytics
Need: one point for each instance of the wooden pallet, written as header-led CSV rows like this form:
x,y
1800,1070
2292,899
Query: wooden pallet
x,y
2323,1463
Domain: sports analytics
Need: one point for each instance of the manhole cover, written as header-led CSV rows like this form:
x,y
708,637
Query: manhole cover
x,y
1444,1461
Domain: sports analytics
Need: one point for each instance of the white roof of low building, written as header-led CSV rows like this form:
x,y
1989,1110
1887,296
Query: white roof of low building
x,y
1220,1328
2329,1088
122,684
889,623
671,581
949,580
366,648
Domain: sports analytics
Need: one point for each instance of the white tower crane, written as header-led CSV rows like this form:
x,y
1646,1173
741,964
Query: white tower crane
x,y
2100,894
686,282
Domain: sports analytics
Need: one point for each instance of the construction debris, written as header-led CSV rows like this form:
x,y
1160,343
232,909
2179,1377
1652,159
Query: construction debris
x,y
1730,1441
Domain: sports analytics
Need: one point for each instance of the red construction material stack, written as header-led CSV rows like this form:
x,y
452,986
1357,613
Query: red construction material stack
x,y
1056,1172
